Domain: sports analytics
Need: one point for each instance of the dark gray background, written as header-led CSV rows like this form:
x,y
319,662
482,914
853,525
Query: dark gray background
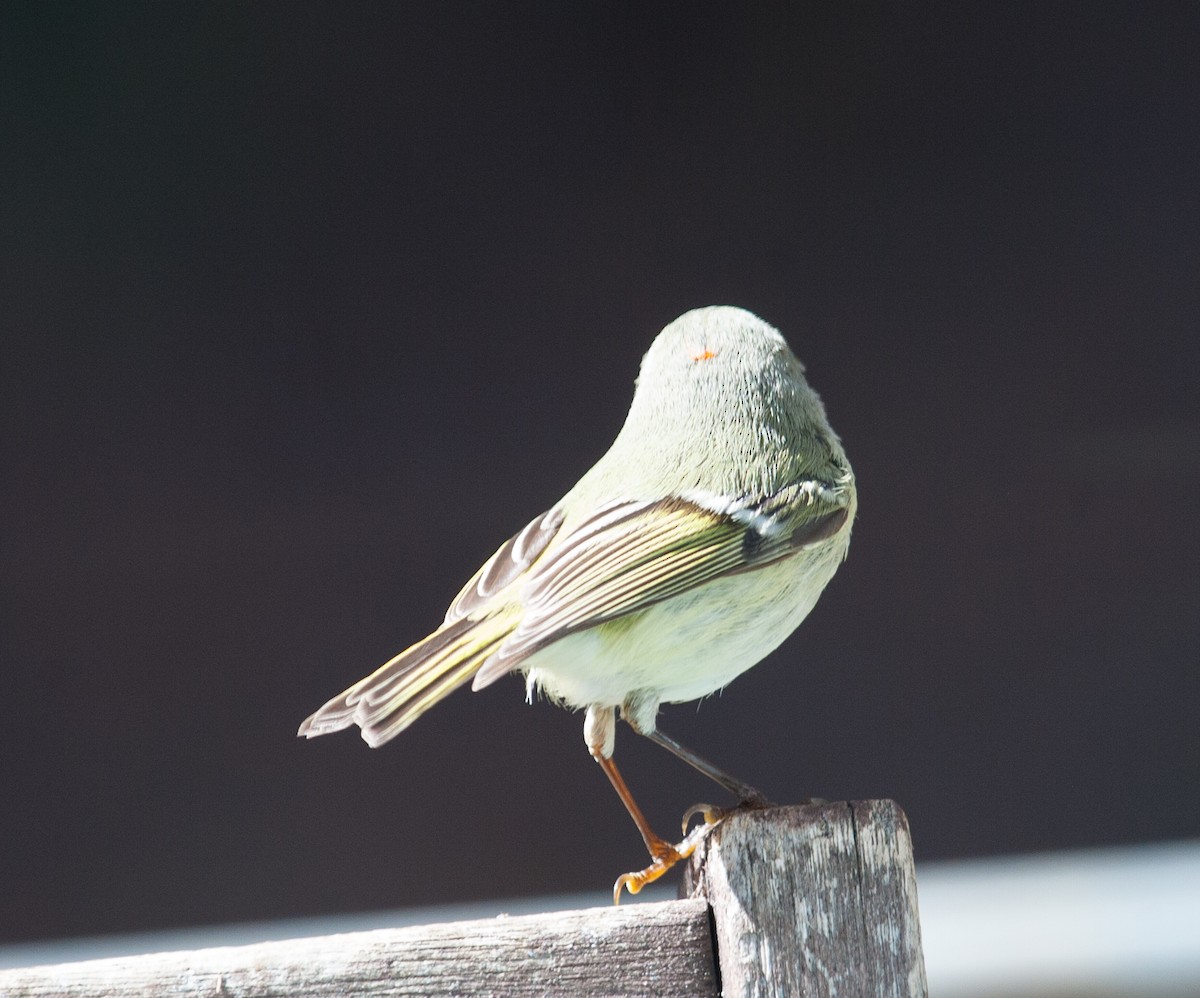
x,y
307,308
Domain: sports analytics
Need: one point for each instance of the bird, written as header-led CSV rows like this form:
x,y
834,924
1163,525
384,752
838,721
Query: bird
x,y
692,548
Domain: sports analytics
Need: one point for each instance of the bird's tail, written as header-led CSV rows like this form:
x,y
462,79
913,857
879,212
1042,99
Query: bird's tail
x,y
398,692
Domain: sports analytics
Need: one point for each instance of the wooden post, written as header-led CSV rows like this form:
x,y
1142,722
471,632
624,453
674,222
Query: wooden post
x,y
813,900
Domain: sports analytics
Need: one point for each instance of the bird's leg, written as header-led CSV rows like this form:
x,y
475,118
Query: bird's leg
x,y
640,715
599,730
745,793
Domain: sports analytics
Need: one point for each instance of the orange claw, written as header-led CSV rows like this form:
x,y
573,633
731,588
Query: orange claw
x,y
634,882
712,815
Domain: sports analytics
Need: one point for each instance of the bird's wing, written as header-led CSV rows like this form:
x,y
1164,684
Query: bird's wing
x,y
401,690
513,558
630,555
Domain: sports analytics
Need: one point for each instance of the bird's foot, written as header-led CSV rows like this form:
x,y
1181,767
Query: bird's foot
x,y
714,815
665,856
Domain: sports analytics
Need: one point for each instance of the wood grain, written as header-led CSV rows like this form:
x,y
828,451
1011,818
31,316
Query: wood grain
x,y
813,900
647,949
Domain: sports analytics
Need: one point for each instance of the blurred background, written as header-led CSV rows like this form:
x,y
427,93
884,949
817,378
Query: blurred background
x,y
306,308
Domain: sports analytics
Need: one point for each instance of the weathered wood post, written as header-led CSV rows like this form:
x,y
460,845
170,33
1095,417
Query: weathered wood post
x,y
813,900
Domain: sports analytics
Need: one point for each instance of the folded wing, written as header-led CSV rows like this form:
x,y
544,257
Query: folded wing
x,y
631,555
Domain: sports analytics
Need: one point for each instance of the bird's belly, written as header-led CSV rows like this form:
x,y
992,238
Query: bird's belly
x,y
690,645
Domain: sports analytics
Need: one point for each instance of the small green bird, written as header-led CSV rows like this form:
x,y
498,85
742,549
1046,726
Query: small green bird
x,y
691,550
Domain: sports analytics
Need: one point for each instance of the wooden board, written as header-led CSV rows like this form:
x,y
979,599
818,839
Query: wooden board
x,y
637,950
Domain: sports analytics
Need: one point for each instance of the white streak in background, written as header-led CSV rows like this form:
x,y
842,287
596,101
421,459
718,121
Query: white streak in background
x,y
1106,923
1101,923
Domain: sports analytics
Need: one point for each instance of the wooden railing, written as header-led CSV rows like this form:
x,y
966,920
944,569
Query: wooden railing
x,y
815,899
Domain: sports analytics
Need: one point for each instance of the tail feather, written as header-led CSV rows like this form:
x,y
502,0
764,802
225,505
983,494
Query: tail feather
x,y
401,690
